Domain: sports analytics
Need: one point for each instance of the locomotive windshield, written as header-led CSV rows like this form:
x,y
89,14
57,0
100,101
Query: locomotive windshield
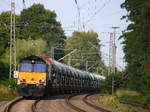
x,y
39,68
36,67
26,67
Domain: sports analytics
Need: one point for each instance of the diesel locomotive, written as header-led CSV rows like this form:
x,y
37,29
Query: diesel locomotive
x,y
39,75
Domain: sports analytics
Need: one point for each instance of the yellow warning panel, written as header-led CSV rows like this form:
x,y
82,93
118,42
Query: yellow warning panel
x,y
31,78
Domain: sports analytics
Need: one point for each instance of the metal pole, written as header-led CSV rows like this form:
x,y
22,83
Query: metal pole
x,y
10,63
14,37
110,53
114,49
24,5
13,61
114,57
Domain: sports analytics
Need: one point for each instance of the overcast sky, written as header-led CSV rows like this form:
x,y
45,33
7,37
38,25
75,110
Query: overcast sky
x,y
97,15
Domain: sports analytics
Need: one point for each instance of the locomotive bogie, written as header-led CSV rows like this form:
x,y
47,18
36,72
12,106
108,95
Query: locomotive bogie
x,y
31,90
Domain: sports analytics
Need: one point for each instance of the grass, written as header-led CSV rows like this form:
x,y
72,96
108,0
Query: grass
x,y
7,89
112,101
132,96
7,93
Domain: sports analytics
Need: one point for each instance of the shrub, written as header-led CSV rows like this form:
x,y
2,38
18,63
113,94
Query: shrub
x,y
147,100
8,82
7,89
120,93
133,96
7,93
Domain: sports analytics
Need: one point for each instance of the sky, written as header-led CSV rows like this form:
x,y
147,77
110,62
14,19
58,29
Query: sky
x,y
97,15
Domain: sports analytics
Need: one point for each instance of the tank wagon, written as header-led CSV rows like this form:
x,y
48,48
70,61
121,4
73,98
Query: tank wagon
x,y
39,76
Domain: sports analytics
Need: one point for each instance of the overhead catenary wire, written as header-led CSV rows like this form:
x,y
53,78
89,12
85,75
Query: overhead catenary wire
x,y
97,12
24,5
79,15
6,2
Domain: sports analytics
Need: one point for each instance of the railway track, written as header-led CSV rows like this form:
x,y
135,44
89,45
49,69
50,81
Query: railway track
x,y
10,105
34,105
73,106
94,106
85,100
135,105
19,99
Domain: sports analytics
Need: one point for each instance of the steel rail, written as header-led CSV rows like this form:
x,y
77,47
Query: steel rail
x,y
10,105
34,106
85,100
73,106
135,105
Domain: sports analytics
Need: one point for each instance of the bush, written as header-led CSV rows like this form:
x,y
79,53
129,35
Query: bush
x,y
133,96
120,93
8,82
7,89
147,100
118,83
7,93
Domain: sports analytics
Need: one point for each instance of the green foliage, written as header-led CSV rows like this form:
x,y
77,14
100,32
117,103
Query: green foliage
x,y
119,82
8,82
37,22
137,44
7,93
146,100
37,30
4,31
133,96
26,48
4,68
30,47
113,102
87,51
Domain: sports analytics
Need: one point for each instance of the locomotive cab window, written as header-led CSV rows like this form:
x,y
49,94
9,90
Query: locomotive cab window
x,y
25,67
39,68
29,66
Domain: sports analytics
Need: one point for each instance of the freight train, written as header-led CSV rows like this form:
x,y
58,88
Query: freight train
x,y
39,76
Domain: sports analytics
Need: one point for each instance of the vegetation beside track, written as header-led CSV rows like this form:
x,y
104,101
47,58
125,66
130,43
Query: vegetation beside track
x,y
113,101
132,96
122,91
7,89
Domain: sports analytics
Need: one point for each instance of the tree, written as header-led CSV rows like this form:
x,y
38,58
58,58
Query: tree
x,y
4,40
137,44
24,48
87,54
27,47
33,25
4,31
37,22
119,82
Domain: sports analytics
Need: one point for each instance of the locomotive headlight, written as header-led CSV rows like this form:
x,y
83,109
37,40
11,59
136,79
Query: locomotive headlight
x,y
22,80
41,81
